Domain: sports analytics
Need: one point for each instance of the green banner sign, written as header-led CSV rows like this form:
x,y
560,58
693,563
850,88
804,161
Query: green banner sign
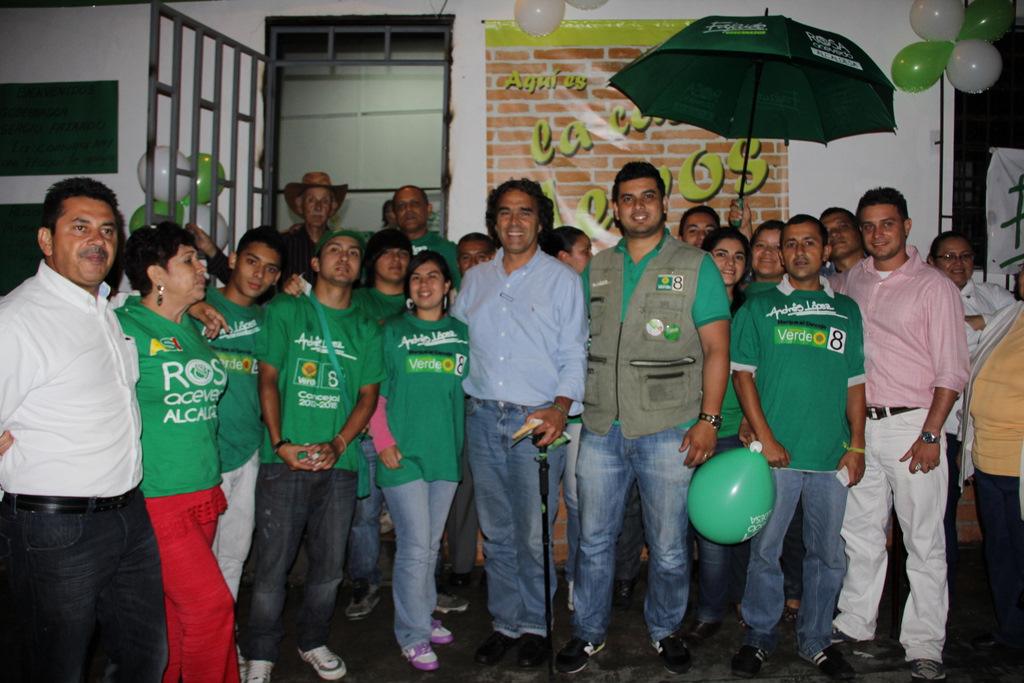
x,y
18,226
58,128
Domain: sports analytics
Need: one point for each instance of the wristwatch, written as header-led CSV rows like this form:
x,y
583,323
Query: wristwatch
x,y
714,420
928,437
281,443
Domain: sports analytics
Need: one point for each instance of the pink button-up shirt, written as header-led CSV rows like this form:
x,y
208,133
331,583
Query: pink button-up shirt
x,y
914,339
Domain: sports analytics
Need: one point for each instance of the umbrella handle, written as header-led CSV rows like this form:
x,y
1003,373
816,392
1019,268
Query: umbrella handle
x,y
737,224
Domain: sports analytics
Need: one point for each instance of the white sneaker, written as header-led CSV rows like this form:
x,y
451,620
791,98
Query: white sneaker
x,y
327,665
242,663
259,671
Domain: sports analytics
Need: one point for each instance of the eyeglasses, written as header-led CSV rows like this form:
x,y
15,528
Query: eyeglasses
x,y
965,257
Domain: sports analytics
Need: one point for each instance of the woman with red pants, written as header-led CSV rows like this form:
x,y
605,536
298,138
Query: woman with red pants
x,y
181,381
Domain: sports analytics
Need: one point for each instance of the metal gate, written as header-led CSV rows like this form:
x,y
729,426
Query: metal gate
x,y
205,113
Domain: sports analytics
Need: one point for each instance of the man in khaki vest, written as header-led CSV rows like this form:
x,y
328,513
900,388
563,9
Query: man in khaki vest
x,y
656,374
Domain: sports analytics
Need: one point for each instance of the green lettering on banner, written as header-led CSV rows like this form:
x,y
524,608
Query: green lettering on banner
x,y
58,128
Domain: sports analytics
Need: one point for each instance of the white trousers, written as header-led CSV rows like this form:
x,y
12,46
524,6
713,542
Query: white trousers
x,y
234,528
920,501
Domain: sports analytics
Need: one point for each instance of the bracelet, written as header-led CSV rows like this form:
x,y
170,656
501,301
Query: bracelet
x,y
560,409
851,448
344,442
281,443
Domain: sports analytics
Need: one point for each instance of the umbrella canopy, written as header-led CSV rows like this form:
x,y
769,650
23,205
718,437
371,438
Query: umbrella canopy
x,y
810,84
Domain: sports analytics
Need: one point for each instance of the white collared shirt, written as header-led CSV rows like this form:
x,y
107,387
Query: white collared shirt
x,y
67,392
984,299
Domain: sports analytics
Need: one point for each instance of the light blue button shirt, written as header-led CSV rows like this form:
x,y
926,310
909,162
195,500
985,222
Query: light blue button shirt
x,y
527,331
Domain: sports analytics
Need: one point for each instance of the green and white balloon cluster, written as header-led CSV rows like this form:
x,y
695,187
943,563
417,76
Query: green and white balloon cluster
x,y
164,164
957,40
541,17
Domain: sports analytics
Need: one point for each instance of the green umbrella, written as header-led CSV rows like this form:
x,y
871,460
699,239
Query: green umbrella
x,y
761,76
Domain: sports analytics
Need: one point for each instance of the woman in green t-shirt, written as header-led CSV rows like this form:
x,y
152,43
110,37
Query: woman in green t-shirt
x,y
180,382
721,568
418,432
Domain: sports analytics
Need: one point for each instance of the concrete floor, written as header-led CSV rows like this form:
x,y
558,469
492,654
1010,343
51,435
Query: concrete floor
x,y
371,654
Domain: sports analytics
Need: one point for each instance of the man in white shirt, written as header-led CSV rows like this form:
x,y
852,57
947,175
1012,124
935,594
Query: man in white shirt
x,y
77,543
952,253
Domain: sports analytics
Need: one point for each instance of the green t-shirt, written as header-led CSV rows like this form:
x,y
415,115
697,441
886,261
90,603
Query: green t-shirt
x,y
732,414
181,380
313,402
806,348
426,363
377,305
241,429
755,288
445,248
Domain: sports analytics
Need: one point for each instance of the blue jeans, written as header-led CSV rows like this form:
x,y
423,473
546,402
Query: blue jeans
x,y
949,519
509,507
288,503
630,543
824,501
364,538
606,470
68,571
572,505
419,510
999,512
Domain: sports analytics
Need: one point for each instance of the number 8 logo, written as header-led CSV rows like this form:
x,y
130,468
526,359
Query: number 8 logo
x,y
836,340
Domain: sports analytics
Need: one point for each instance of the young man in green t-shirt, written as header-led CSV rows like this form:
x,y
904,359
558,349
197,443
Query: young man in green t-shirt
x,y
255,268
812,434
320,368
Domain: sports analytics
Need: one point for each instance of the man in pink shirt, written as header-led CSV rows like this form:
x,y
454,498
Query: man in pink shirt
x,y
916,363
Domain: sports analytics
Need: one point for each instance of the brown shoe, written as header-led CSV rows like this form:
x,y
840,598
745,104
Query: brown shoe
x,y
701,631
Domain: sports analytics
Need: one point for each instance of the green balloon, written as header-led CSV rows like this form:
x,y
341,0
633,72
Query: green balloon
x,y
204,178
731,496
138,218
986,20
918,66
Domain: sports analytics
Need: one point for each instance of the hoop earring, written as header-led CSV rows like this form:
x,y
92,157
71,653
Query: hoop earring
x,y
159,295
409,304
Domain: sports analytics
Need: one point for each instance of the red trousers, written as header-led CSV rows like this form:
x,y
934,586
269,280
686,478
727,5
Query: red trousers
x,y
200,609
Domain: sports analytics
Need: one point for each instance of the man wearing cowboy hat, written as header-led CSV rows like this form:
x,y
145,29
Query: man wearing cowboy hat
x,y
315,199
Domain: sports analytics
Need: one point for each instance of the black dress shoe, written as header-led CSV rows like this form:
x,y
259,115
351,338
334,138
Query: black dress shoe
x,y
533,650
459,579
986,641
701,631
494,648
622,594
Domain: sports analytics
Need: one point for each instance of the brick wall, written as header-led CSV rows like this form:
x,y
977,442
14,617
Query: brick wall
x,y
602,131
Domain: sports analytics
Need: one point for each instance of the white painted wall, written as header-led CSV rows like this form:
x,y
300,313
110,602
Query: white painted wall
x,y
112,43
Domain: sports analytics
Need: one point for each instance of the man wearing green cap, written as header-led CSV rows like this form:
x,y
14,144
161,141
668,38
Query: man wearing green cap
x,y
320,367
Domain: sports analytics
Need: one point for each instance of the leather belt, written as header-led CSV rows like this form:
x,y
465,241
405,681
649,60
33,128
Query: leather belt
x,y
66,504
880,412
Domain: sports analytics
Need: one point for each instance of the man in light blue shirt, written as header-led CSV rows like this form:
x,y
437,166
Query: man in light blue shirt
x,y
527,335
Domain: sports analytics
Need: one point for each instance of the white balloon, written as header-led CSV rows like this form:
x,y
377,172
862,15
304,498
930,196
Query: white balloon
x,y
586,4
974,66
162,171
937,19
204,219
539,17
